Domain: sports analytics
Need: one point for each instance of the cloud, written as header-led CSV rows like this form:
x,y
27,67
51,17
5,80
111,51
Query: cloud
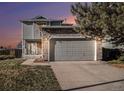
x,y
71,19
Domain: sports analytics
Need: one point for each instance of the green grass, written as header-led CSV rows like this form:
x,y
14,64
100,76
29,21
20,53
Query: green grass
x,y
16,77
120,60
116,62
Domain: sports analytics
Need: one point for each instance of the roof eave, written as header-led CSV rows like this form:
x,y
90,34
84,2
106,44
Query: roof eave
x,y
59,26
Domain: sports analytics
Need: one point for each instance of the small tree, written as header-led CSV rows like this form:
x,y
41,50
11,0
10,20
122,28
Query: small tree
x,y
1,47
99,20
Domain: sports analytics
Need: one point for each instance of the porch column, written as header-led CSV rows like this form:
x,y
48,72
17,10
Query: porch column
x,y
48,49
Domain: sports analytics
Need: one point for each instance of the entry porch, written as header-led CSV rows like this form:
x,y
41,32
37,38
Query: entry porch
x,y
35,49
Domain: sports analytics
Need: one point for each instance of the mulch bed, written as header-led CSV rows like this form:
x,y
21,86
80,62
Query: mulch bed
x,y
119,65
39,60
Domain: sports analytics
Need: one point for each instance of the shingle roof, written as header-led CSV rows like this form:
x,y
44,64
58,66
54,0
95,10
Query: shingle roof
x,y
40,18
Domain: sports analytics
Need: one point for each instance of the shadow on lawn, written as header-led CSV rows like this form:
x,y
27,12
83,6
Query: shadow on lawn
x,y
98,84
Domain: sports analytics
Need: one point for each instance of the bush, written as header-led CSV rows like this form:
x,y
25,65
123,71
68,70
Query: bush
x,y
121,58
4,52
110,54
3,57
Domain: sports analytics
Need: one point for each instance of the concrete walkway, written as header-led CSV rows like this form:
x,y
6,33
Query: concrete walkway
x,y
31,62
88,75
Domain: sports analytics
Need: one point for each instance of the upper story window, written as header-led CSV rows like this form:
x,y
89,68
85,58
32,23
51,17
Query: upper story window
x,y
55,23
42,23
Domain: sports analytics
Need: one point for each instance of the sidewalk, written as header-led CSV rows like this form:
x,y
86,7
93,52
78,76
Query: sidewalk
x,y
31,62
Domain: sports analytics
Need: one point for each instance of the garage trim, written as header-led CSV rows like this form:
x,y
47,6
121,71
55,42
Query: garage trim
x,y
95,52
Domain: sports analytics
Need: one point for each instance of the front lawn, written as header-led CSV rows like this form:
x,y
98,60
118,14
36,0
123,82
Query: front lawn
x,y
14,76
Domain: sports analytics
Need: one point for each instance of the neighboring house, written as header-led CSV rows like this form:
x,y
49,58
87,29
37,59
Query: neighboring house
x,y
54,40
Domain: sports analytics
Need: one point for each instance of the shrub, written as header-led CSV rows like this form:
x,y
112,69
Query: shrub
x,y
3,57
121,58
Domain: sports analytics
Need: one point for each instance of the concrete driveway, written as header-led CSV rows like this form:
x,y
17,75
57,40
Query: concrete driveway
x,y
88,75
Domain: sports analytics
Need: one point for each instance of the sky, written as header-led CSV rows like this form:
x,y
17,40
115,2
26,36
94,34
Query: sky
x,y
12,13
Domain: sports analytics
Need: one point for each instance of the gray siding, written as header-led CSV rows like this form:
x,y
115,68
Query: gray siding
x,y
31,31
27,31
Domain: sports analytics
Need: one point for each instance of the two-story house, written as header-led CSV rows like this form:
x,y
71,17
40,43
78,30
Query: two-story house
x,y
55,40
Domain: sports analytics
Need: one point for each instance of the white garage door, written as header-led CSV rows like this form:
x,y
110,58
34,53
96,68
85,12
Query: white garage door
x,y
74,50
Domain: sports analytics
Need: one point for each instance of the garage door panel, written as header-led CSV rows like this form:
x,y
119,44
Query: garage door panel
x,y
74,50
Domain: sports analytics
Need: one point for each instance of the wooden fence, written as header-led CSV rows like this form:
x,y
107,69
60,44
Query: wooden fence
x,y
17,53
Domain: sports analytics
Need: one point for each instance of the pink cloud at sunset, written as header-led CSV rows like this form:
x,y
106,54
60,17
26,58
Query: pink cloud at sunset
x,y
70,20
